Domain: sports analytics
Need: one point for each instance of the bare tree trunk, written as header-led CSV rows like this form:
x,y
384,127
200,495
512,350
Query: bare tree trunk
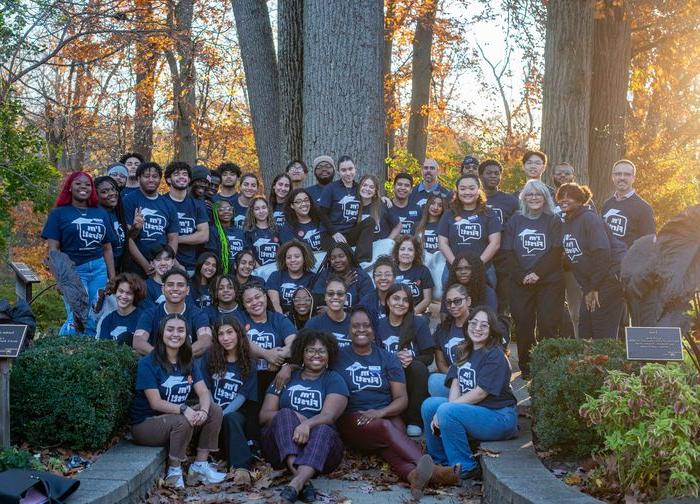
x,y
611,66
145,69
343,91
417,141
568,56
290,55
262,81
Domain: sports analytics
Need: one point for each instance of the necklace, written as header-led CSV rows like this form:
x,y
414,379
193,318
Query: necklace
x,y
82,211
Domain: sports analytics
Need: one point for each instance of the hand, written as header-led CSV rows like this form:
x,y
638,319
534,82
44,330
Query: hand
x,y
282,378
275,356
387,202
369,415
435,425
592,301
405,357
201,417
301,433
350,277
339,238
148,269
191,416
530,279
138,220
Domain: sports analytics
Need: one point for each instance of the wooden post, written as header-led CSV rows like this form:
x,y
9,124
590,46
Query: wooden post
x,y
5,403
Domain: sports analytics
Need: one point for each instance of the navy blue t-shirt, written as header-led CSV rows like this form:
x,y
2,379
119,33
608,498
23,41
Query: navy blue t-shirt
x,y
449,340
430,237
309,233
368,377
503,205
285,285
265,243
126,191
388,336
470,231
324,323
173,386
278,215
119,328
201,295
371,300
270,334
214,313
531,239
81,232
356,291
150,318
315,191
119,235
224,389
489,369
190,213
235,237
629,219
307,396
386,223
419,194
159,219
343,204
416,278
408,216
154,292
239,212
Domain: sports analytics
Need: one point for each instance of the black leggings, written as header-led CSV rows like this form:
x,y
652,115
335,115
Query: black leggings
x,y
417,388
360,236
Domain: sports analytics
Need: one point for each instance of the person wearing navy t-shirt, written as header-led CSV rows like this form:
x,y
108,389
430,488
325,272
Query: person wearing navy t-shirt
x,y
225,239
279,192
175,290
340,199
407,336
154,215
594,256
534,166
261,232
132,161
230,376
429,185
159,414
372,421
230,173
192,217
304,222
407,212
202,282
627,215
412,272
294,263
334,320
80,229
249,188
129,291
384,276
386,224
532,249
324,171
481,405
161,259
225,299
341,261
468,270
299,418
427,227
244,266
108,198
470,225
449,335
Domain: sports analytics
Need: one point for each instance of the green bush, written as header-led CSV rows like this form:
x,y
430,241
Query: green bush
x,y
563,372
650,424
13,458
71,391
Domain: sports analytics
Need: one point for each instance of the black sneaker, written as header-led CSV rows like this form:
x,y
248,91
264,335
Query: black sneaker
x,y
473,474
308,493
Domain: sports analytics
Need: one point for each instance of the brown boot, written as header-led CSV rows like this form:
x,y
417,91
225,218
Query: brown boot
x,y
420,476
445,475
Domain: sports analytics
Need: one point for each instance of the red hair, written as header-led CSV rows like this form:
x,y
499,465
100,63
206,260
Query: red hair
x,y
65,198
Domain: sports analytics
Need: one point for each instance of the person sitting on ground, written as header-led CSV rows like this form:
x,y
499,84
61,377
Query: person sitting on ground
x,y
341,261
334,320
408,337
302,307
294,264
480,406
205,271
384,275
161,259
412,272
372,420
299,419
449,335
129,291
230,376
159,414
175,290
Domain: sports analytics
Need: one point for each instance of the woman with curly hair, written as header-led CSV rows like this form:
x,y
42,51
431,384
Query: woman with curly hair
x,y
304,221
299,419
294,264
230,375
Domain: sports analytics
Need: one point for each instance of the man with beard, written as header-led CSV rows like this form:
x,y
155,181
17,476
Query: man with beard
x,y
191,213
230,173
132,160
324,171
429,185
470,164
119,174
153,214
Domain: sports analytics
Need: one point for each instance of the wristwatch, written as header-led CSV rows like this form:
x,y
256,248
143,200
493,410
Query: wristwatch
x,y
183,408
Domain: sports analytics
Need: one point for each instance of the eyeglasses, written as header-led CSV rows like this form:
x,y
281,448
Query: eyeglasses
x,y
335,294
301,201
296,168
534,195
475,324
321,352
455,301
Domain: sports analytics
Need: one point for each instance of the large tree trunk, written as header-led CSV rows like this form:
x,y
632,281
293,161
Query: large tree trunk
x,y
417,141
566,102
290,56
343,90
610,79
389,85
262,81
144,90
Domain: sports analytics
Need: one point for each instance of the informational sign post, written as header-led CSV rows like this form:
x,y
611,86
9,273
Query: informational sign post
x,y
11,342
654,343
24,279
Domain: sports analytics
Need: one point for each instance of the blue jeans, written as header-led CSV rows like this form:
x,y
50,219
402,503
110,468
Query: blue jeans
x,y
93,275
459,423
436,385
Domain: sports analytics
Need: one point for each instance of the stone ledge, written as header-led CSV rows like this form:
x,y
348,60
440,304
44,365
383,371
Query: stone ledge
x,y
122,475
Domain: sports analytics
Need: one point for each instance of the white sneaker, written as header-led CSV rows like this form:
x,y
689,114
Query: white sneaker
x,y
414,431
204,473
174,478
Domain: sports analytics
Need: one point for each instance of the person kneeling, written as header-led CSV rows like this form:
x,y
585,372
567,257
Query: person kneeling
x,y
481,405
299,419
159,413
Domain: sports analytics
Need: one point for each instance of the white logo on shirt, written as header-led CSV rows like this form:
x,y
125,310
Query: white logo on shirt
x,y
91,231
342,339
531,240
364,377
313,238
391,344
187,226
226,388
616,222
153,222
467,377
176,389
350,206
267,249
571,248
467,230
305,398
118,331
451,347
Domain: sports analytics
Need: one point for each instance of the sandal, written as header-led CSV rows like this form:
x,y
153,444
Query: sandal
x,y
289,494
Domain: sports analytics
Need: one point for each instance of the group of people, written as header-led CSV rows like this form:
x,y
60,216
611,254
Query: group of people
x,y
302,319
